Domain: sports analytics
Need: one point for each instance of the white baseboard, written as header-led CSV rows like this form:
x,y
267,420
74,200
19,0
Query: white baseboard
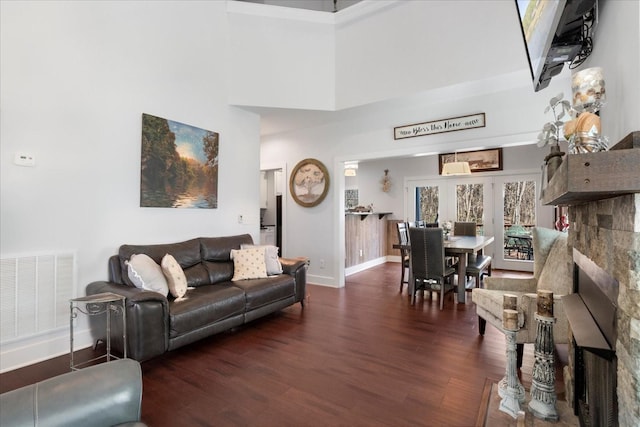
x,y
315,279
28,351
364,266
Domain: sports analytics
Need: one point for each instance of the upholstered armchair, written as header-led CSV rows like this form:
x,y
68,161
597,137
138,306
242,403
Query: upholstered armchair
x,y
552,270
107,394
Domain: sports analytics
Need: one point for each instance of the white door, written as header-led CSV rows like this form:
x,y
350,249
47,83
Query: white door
x,y
427,200
501,205
517,211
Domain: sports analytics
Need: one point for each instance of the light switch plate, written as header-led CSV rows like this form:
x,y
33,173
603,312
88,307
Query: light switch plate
x,y
24,159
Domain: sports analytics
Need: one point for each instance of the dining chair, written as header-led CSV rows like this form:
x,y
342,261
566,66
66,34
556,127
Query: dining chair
x,y
427,263
476,264
403,239
461,228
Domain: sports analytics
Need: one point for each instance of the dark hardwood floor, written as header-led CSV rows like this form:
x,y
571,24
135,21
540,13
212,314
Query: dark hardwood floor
x,y
356,356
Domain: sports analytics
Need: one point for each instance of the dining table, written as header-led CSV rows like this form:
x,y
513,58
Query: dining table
x,y
460,247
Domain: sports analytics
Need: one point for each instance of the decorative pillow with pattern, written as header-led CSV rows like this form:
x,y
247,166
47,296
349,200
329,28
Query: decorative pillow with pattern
x,y
270,257
146,274
248,263
174,274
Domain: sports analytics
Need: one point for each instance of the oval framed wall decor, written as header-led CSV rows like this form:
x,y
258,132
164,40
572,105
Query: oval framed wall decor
x,y
309,183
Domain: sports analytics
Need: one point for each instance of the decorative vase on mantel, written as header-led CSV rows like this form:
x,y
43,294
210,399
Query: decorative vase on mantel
x,y
553,160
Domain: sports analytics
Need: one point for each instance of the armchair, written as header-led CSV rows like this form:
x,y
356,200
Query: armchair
x,y
107,394
552,270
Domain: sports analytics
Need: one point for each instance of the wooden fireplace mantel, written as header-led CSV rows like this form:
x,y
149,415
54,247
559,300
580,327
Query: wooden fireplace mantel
x,y
593,176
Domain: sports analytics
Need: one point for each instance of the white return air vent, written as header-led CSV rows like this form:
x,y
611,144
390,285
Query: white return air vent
x,y
34,294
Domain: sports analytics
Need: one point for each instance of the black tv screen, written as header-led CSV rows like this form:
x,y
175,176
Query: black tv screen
x,y
539,21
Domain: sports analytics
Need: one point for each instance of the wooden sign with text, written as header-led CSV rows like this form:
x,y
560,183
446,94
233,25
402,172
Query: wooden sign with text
x,y
439,126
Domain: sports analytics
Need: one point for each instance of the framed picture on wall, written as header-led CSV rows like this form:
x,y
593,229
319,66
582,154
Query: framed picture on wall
x,y
309,183
179,165
479,161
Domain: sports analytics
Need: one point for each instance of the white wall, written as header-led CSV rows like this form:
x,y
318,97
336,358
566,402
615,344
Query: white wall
x,y
75,80
412,46
281,57
617,51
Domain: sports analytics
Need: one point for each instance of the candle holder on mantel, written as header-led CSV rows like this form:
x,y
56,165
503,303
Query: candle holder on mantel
x,y
509,388
543,394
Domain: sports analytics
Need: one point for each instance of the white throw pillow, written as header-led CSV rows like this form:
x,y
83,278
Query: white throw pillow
x,y
146,274
270,257
248,263
174,274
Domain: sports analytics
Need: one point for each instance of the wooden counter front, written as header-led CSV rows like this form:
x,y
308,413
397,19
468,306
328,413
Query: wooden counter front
x,y
365,238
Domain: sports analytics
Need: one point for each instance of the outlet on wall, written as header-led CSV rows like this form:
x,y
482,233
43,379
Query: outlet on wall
x,y
321,263
361,254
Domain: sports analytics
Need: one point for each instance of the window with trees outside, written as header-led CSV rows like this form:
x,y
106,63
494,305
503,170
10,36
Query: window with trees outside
x,y
470,204
519,219
428,204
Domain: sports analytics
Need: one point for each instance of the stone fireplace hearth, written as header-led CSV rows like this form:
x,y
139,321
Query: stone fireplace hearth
x,y
608,233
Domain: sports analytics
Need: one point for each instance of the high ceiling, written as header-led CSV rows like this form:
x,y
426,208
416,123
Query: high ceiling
x,y
497,49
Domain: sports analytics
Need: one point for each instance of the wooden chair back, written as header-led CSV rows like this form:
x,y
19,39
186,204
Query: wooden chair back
x,y
464,228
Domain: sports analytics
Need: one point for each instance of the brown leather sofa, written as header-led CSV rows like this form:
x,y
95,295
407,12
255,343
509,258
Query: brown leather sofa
x,y
213,303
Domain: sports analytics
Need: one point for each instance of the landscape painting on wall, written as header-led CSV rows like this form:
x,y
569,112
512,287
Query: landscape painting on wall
x,y
179,165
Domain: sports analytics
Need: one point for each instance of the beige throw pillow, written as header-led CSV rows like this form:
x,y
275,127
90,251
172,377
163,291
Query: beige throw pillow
x,y
270,258
248,263
176,280
144,273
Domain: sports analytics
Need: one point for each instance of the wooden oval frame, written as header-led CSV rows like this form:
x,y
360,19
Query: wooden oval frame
x,y
308,202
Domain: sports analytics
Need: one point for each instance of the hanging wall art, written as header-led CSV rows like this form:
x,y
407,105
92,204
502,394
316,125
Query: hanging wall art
x,y
309,183
179,165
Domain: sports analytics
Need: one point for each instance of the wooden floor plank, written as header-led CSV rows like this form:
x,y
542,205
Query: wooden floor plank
x,y
357,356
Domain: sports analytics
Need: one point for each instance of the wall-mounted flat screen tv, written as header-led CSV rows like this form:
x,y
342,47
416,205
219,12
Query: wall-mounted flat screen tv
x,y
539,20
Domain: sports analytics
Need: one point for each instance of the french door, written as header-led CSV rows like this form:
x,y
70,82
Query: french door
x,y
517,211
506,207
455,199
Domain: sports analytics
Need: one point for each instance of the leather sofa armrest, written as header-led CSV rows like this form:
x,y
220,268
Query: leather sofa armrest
x,y
291,265
147,321
105,394
510,284
297,267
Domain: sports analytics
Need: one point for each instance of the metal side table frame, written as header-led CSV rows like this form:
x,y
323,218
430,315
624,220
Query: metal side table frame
x,y
95,305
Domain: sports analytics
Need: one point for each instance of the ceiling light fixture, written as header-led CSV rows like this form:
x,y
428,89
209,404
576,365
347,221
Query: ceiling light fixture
x,y
350,168
456,167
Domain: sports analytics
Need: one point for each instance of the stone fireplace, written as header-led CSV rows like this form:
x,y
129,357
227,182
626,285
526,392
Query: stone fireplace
x,y
607,232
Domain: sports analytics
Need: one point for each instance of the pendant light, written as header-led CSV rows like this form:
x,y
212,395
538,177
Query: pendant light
x,y
456,167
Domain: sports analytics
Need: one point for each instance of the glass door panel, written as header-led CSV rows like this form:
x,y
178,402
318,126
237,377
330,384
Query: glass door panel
x,y
470,204
454,199
519,212
428,203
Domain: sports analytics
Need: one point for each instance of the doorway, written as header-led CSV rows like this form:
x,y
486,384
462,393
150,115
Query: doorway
x,y
271,208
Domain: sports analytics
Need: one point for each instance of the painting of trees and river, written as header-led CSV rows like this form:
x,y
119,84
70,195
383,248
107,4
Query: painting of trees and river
x,y
179,165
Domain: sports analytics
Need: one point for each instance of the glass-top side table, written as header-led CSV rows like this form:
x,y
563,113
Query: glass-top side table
x,y
106,303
